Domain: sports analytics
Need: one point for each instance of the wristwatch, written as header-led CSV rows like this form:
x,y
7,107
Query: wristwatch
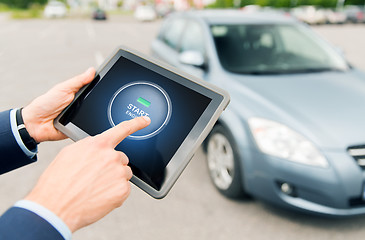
x,y
28,141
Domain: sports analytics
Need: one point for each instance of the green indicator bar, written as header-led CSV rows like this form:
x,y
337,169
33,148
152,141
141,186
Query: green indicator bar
x,y
144,102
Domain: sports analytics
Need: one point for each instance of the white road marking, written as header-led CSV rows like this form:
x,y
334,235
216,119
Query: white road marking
x,y
99,59
90,31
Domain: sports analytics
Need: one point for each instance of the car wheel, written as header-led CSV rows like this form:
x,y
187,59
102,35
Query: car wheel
x,y
223,163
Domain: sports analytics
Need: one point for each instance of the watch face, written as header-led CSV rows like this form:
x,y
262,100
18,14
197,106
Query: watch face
x,y
138,99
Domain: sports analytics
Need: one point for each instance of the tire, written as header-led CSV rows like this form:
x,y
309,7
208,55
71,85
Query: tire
x,y
223,163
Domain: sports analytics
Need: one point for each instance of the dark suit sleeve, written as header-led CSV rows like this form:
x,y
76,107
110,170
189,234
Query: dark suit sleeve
x,y
21,224
11,155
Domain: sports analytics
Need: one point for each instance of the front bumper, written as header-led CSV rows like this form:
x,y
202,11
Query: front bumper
x,y
335,191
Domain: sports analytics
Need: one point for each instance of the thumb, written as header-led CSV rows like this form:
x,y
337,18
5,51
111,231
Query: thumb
x,y
118,133
74,84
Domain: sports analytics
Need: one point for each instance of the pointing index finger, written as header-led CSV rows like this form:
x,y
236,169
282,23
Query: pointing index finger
x,y
118,133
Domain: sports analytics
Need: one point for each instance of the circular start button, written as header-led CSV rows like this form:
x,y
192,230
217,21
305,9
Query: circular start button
x,y
138,99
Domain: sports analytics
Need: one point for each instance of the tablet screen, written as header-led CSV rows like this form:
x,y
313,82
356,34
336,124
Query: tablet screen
x,y
130,90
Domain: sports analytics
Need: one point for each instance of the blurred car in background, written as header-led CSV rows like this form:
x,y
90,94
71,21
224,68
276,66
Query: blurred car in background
x,y
354,14
55,9
99,14
145,13
163,9
334,16
293,134
267,9
309,14
251,8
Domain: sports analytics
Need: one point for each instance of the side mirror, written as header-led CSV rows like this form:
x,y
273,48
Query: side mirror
x,y
193,58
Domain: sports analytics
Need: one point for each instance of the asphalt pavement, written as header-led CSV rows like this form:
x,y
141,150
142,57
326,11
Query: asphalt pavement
x,y
37,54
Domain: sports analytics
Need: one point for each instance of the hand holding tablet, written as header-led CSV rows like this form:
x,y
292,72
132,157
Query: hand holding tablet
x,y
88,179
182,110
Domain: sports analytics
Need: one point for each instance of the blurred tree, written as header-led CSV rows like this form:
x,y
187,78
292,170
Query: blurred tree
x,y
282,3
263,2
22,3
308,2
222,4
248,2
5,2
120,4
355,2
329,3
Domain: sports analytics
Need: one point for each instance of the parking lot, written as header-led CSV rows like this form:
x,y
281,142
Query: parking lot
x,y
37,54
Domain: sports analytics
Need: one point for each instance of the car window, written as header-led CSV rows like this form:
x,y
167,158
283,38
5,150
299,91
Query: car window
x,y
309,49
172,31
193,38
276,48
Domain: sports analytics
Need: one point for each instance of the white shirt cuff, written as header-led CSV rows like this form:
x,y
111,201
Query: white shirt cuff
x,y
47,215
14,129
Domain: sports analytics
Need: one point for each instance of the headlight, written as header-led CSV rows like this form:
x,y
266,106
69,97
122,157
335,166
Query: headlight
x,y
278,140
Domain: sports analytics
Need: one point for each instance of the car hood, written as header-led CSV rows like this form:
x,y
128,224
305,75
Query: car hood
x,y
327,107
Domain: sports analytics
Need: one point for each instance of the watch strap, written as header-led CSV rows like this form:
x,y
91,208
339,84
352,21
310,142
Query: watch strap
x,y
28,141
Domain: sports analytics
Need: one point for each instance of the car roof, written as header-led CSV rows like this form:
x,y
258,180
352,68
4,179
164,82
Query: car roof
x,y
238,16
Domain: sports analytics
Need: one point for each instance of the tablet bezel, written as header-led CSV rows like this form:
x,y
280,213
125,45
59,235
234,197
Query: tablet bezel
x,y
183,155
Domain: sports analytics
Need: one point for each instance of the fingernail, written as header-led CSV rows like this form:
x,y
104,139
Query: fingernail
x,y
89,70
147,119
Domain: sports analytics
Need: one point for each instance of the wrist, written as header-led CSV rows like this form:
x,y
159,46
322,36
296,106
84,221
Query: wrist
x,y
62,212
25,136
47,215
29,124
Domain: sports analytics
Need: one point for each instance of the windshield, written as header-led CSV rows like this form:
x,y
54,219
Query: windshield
x,y
273,49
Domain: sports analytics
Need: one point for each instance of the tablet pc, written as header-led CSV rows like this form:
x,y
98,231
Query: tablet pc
x,y
182,108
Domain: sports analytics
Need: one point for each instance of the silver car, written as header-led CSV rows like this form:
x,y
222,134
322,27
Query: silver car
x,y
294,133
